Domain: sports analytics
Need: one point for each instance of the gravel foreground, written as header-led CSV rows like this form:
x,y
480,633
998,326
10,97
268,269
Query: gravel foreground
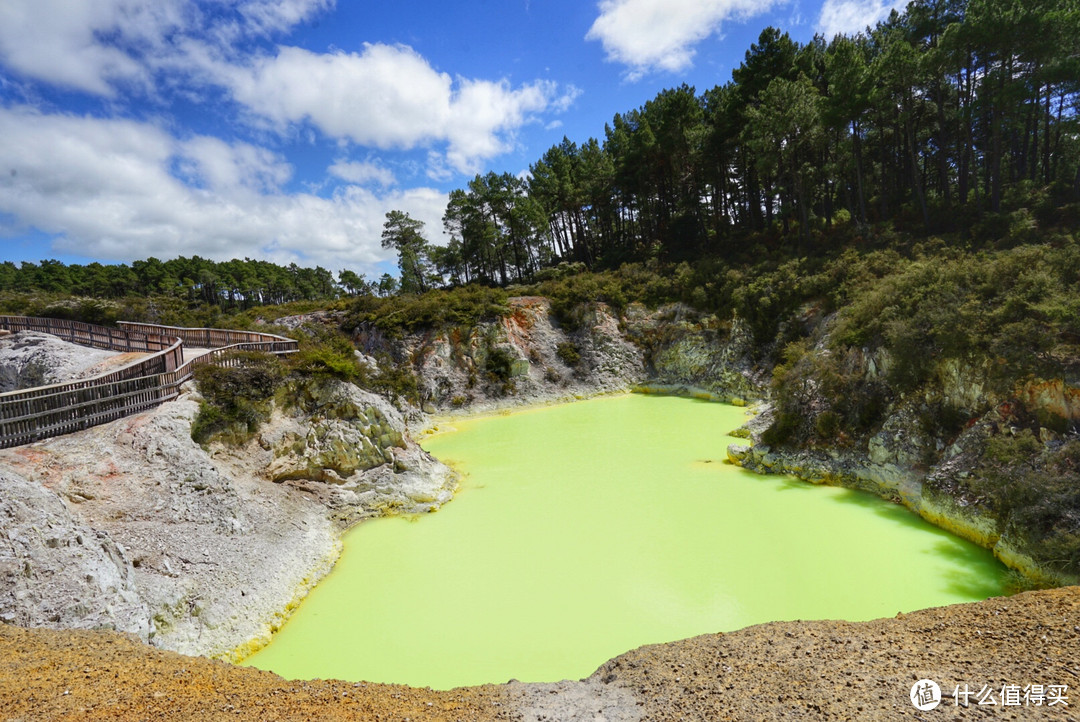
x,y
820,670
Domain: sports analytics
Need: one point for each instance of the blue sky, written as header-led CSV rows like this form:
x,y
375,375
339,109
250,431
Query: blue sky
x,y
286,129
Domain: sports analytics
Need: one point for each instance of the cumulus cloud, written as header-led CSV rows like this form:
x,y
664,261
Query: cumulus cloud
x,y
362,173
60,42
96,45
389,96
231,169
661,34
849,17
118,189
121,190
384,96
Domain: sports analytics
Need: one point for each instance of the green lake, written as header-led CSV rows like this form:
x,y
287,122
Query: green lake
x,y
584,530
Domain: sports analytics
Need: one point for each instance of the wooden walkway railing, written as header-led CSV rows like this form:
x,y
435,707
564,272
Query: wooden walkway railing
x,y
112,339
32,414
214,337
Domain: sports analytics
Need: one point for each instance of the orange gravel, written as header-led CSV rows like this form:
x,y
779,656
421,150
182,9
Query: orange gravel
x,y
821,670
89,676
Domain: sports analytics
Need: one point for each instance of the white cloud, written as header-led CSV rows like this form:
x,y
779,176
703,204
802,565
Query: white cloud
x,y
389,96
96,45
229,170
362,173
59,41
661,34
849,17
107,189
274,16
384,96
120,189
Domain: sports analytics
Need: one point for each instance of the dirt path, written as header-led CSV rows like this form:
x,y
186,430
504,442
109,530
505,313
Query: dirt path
x,y
783,670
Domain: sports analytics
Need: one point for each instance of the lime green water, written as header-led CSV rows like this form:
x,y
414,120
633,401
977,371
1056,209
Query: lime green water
x,y
586,530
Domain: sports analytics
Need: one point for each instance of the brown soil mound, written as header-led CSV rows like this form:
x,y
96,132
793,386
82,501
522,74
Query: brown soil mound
x,y
81,675
784,670
828,670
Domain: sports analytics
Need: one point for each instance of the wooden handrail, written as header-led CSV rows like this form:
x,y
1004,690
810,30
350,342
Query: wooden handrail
x,y
29,415
209,337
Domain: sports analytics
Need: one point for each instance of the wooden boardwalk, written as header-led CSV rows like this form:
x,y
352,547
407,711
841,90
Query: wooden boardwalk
x,y
29,415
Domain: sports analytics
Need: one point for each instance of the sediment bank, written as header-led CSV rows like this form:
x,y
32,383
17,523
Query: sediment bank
x,y
819,670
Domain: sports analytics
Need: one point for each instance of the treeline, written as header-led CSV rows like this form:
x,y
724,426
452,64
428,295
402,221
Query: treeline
x,y
948,117
231,284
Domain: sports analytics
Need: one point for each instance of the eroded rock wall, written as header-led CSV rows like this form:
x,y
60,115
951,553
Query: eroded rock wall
x,y
911,457
133,526
546,360
670,350
58,571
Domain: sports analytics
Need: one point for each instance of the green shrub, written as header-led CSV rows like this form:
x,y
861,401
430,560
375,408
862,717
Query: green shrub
x,y
783,428
236,399
1032,488
568,353
633,282
255,377
393,379
499,364
208,421
827,424
1009,451
943,420
563,270
1013,306
395,316
323,362
325,353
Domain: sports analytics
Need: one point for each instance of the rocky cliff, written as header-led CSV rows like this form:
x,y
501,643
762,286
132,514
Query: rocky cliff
x,y
932,449
529,356
523,357
132,526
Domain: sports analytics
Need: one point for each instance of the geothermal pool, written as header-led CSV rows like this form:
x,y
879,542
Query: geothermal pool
x,y
585,530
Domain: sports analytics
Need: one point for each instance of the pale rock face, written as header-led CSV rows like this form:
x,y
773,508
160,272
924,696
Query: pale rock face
x,y
55,571
199,550
1055,397
701,360
452,365
899,443
357,443
613,353
964,386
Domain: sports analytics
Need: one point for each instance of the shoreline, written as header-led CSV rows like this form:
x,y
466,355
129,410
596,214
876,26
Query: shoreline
x,y
438,425
822,670
432,421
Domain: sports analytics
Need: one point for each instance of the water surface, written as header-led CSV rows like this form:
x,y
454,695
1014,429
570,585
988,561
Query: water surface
x,y
586,530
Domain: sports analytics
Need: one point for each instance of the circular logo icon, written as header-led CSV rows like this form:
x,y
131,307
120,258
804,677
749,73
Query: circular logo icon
x,y
925,695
